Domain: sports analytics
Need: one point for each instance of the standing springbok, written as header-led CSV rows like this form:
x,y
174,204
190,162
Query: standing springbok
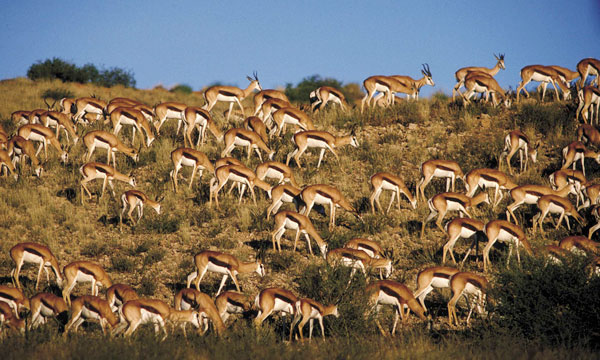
x,y
324,94
441,203
387,181
189,157
439,168
135,199
247,138
230,94
461,73
43,135
518,141
319,139
307,310
504,231
84,271
94,170
222,263
323,194
240,174
30,252
302,224
105,140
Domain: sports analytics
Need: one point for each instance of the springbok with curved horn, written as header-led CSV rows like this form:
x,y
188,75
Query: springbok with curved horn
x,y
230,94
412,83
59,121
461,73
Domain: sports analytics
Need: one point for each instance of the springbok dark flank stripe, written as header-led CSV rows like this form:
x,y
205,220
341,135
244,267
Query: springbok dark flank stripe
x,y
188,155
316,137
389,292
226,93
150,309
474,282
445,168
243,137
86,271
324,194
218,262
470,227
284,298
238,173
488,177
442,275
33,251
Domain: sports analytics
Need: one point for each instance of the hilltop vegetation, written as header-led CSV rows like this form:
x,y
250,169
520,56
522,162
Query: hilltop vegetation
x,y
155,256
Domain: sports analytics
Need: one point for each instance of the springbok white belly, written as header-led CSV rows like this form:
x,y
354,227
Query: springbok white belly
x,y
90,314
217,268
32,258
83,277
443,173
504,235
316,143
322,200
187,161
555,209
283,306
291,224
440,282
386,299
149,317
46,311
540,77
386,185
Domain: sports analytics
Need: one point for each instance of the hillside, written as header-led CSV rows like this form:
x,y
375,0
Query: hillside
x,y
156,255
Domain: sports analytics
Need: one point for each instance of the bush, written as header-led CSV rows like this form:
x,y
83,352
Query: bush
x,y
57,94
301,92
56,68
548,302
122,263
182,89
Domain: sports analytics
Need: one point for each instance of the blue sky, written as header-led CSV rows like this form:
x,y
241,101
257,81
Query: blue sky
x,y
202,42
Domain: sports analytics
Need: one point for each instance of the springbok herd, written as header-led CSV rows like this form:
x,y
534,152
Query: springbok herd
x,y
122,311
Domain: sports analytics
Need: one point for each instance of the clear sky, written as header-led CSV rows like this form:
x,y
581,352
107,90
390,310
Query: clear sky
x,y
202,42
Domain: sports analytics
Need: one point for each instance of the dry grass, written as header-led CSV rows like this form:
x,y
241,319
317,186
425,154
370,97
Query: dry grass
x,y
155,255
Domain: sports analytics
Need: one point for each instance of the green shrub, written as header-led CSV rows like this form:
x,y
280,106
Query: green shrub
x,y
181,88
122,263
548,302
154,255
95,249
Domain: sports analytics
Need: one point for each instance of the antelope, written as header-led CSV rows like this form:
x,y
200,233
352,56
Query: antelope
x,y
577,151
239,174
412,83
589,97
105,140
387,292
6,161
66,105
470,285
359,260
280,194
556,205
370,247
518,141
20,117
168,110
230,94
587,133
439,168
272,300
545,74
436,277
580,244
482,83
302,224
254,123
373,84
34,115
441,203
189,157
118,294
460,228
60,121
30,252
89,307
323,194
387,181
264,95
270,106
276,170
324,94
309,310
12,321
250,139
84,271
504,231
293,116
190,299
18,147
566,74
130,116
135,199
94,170
88,105
488,178
198,118
231,302
222,263
530,194
157,312
592,192
15,299
45,305
462,73
43,135
563,177
588,66
318,139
